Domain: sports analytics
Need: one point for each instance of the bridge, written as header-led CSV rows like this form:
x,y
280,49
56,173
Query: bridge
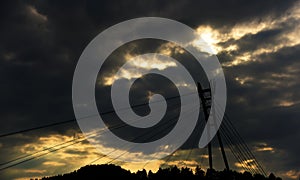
x,y
227,137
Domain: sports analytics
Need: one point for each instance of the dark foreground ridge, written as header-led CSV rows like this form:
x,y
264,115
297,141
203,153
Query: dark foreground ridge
x,y
98,172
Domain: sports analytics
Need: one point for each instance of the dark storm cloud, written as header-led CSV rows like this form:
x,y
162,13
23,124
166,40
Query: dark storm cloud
x,y
39,53
191,12
41,42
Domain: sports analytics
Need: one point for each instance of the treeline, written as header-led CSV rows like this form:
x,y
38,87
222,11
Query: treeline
x,y
99,172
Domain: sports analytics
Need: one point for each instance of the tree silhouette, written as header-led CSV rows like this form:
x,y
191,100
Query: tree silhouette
x,y
105,171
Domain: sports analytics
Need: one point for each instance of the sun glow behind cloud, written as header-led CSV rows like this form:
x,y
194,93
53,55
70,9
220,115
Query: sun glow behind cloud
x,y
215,41
217,38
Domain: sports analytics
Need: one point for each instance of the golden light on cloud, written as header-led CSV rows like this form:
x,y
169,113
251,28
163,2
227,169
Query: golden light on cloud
x,y
149,165
213,37
183,163
281,75
53,163
205,156
123,74
155,64
286,103
240,30
183,84
135,68
34,171
248,164
239,59
232,47
264,147
33,11
169,48
207,40
243,80
293,174
286,100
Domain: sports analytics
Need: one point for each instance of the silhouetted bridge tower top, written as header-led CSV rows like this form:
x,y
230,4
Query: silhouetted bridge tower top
x,y
229,133
206,101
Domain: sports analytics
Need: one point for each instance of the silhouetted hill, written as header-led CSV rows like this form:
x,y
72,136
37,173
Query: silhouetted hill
x,y
99,172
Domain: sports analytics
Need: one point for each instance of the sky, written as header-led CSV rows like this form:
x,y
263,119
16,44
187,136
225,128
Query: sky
x,y
257,43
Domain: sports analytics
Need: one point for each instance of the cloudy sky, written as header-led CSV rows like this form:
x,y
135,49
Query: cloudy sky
x,y
257,43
